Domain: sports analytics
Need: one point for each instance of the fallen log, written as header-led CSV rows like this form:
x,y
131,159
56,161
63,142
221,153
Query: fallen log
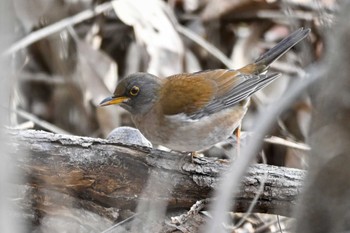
x,y
107,178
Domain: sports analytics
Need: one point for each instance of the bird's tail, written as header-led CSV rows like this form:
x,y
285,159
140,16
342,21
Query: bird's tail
x,y
264,61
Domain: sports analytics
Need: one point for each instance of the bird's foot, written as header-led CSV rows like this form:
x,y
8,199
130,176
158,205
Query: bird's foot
x,y
195,154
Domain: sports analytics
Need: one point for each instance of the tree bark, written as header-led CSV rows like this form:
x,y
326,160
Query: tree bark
x,y
106,178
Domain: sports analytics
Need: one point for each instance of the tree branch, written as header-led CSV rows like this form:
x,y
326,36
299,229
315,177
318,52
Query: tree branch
x,y
114,175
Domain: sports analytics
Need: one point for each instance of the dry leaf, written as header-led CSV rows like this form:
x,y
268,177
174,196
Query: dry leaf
x,y
154,29
99,72
287,143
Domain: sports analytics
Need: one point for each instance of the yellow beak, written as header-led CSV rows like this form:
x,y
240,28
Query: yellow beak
x,y
113,100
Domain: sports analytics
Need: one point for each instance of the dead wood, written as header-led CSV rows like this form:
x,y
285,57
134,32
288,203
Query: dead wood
x,y
107,178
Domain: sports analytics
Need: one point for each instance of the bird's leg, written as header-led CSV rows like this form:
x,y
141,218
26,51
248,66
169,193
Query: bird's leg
x,y
194,154
238,139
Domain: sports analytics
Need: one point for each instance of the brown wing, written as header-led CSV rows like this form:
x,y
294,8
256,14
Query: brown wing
x,y
204,93
190,93
184,94
245,86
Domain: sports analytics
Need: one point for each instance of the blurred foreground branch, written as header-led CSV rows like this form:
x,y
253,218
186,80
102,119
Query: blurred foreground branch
x,y
324,205
95,174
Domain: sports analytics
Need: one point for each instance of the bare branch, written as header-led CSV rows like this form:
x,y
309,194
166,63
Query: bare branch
x,y
56,27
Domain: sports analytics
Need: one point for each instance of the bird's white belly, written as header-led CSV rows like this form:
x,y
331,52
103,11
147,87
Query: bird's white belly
x,y
182,134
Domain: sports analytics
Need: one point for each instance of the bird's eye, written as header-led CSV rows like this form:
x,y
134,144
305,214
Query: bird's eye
x,y
134,90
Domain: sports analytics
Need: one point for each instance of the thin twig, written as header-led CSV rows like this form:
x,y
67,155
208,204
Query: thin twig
x,y
42,123
252,205
273,14
287,143
279,224
24,125
56,27
120,223
205,44
264,227
42,78
194,210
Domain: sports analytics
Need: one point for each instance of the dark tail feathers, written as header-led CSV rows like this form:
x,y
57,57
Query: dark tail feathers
x,y
281,48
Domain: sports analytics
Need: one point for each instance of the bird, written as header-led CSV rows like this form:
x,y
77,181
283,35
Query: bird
x,y
191,112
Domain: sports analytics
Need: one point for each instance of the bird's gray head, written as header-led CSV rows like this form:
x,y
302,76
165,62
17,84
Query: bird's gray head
x,y
136,93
